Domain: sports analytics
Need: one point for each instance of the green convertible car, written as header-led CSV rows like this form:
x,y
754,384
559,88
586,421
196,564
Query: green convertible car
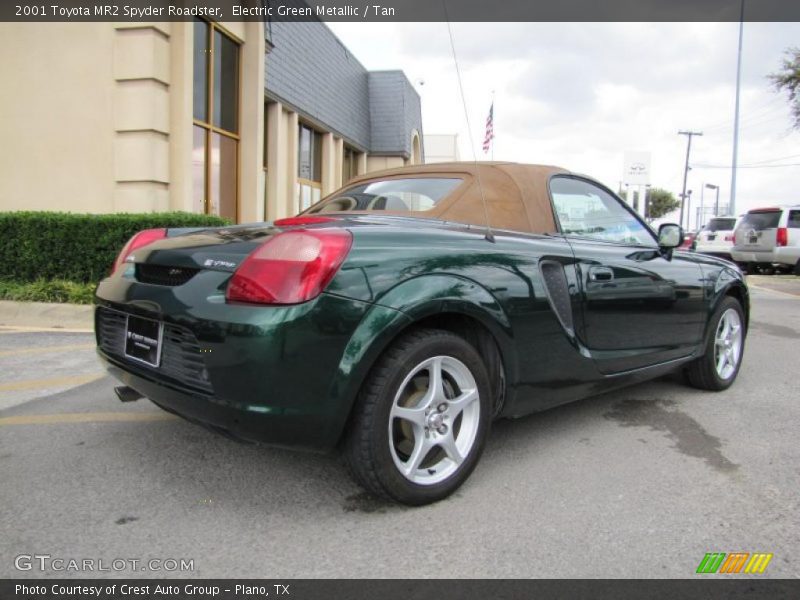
x,y
398,317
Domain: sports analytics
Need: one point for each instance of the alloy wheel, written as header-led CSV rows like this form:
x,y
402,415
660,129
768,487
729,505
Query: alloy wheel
x,y
728,343
433,422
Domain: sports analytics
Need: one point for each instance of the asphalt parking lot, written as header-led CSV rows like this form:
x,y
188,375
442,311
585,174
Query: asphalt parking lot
x,y
638,483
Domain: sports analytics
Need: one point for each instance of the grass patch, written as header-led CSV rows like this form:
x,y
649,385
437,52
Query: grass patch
x,y
42,290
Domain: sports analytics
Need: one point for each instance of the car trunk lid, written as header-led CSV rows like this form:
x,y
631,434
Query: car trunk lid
x,y
218,249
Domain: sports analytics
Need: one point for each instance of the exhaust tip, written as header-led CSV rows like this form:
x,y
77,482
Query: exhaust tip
x,y
127,394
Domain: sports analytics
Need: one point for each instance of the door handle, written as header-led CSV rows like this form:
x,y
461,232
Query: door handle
x,y
600,274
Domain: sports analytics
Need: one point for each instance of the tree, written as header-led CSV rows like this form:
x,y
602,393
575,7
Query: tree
x,y
788,80
659,203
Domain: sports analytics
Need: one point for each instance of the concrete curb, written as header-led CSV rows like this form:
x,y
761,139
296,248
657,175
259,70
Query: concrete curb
x,y
46,315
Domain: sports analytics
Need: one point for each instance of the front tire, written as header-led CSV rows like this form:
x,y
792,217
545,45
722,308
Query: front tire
x,y
717,369
421,419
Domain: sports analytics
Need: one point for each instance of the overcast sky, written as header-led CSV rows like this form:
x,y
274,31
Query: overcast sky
x,y
579,95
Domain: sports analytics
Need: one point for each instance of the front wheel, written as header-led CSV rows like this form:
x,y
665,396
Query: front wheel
x,y
421,420
717,369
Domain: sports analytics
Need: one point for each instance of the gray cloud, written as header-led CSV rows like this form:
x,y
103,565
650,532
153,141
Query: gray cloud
x,y
580,94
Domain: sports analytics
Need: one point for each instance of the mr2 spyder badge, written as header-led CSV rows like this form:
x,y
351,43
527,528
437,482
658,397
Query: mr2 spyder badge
x,y
212,262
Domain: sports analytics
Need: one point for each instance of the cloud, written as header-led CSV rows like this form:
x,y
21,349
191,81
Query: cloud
x,y
581,94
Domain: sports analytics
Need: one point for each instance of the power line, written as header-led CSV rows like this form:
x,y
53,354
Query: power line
x,y
754,163
761,121
701,166
755,113
772,160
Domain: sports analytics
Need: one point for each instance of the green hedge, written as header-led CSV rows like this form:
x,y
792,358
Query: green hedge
x,y
53,290
37,246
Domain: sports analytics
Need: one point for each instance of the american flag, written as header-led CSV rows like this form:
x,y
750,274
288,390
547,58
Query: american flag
x,y
487,140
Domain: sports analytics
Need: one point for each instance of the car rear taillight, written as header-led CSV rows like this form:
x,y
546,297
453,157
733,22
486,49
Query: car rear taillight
x,y
141,239
294,221
782,237
291,267
729,237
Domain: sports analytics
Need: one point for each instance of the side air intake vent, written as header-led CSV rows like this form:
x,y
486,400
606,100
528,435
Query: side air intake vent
x,y
555,283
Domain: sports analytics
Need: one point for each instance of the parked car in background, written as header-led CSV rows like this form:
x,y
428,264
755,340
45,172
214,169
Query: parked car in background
x,y
768,238
395,319
716,237
688,240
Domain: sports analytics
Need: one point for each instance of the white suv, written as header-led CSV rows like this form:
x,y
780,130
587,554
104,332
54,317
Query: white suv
x,y
716,237
768,237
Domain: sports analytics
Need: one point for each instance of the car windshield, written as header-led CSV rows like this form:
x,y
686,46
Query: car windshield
x,y
720,225
412,194
762,219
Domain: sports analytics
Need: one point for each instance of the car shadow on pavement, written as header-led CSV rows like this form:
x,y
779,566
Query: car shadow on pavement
x,y
198,471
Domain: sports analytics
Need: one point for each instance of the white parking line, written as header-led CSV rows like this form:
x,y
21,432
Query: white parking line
x,y
98,417
20,329
42,384
46,349
758,287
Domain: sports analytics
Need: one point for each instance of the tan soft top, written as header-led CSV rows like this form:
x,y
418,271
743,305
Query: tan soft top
x,y
517,196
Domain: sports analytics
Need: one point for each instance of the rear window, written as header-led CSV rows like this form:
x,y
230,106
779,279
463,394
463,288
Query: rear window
x,y
413,194
762,220
720,225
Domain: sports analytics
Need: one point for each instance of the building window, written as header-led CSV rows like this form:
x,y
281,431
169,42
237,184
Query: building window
x,y
309,167
349,164
215,149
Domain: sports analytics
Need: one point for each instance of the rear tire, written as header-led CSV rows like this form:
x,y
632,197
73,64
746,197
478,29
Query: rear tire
x,y
421,419
718,368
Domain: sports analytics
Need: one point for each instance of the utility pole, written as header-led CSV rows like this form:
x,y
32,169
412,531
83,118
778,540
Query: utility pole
x,y
734,165
688,135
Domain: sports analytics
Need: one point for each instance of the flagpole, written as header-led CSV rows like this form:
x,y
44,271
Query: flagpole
x,y
493,127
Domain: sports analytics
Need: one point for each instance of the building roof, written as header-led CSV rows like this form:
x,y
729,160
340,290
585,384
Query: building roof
x,y
312,72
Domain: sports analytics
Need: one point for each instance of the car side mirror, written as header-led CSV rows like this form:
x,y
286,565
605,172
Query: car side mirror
x,y
670,236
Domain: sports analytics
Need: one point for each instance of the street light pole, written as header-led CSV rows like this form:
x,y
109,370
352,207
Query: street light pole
x,y
689,135
734,165
688,210
711,186
700,210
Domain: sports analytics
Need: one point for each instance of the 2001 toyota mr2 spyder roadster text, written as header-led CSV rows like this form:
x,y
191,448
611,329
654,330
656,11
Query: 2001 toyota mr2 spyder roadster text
x,y
398,317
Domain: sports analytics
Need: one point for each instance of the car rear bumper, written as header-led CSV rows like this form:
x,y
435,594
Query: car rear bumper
x,y
748,256
782,255
242,422
258,373
787,255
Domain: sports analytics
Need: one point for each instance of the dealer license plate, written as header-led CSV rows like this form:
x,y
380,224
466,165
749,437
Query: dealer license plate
x,y
143,340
